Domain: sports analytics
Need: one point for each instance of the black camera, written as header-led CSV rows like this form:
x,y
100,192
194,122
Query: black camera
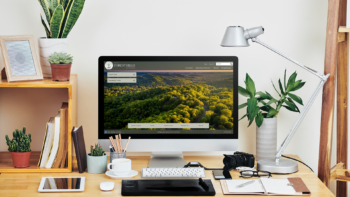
x,y
238,159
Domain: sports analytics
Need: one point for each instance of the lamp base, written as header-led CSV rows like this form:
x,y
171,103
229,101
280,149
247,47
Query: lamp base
x,y
285,166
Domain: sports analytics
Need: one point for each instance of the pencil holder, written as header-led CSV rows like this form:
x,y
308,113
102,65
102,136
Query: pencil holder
x,y
117,155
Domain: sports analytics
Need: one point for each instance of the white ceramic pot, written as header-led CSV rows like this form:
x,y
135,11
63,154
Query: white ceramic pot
x,y
47,46
266,139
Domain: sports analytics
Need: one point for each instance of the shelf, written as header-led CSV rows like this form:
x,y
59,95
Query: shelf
x,y
343,29
45,83
6,164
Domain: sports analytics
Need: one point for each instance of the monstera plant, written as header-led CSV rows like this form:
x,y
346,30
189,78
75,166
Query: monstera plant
x,y
61,16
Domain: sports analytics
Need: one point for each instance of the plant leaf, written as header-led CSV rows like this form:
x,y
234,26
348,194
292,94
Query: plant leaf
x,y
56,21
280,84
242,91
250,85
275,88
298,86
64,3
290,109
45,27
52,5
46,9
259,119
250,122
285,71
291,81
296,98
272,101
291,105
252,104
263,95
242,105
71,15
243,117
266,108
272,112
296,107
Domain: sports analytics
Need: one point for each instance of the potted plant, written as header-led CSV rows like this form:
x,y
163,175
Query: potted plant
x,y
61,64
60,16
19,147
264,108
96,160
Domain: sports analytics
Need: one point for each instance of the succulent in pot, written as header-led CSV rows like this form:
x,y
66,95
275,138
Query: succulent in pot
x,y
60,16
96,160
19,147
61,64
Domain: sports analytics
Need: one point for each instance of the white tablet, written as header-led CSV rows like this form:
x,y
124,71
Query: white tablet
x,y
62,184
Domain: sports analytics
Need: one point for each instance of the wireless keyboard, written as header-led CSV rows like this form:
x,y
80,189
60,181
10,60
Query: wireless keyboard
x,y
172,172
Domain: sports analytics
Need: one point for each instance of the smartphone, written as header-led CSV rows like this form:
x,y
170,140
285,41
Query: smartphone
x,y
221,174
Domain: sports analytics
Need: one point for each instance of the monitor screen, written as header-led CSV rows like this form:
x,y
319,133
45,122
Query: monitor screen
x,y
176,98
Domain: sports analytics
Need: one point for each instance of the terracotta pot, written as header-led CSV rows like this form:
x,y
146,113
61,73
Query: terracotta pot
x,y
60,72
20,160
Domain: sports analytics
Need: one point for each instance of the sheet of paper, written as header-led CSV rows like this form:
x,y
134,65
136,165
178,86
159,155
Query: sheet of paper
x,y
278,186
255,187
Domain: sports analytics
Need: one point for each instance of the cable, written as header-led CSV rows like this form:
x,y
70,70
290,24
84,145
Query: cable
x,y
200,165
298,161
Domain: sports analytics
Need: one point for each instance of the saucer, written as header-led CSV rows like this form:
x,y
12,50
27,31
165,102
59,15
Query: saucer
x,y
113,176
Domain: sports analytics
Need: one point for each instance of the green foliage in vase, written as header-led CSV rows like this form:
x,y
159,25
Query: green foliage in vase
x,y
259,103
97,151
60,58
20,142
61,16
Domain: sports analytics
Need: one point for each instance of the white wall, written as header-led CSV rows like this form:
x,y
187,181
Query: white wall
x,y
179,27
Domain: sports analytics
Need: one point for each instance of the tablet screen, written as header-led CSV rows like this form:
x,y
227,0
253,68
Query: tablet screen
x,y
61,183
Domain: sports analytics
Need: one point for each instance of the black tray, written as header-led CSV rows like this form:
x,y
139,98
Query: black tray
x,y
176,187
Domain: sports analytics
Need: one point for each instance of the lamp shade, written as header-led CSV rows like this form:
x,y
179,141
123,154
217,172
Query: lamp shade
x,y
234,37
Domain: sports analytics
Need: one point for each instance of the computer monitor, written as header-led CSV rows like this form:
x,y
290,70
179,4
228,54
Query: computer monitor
x,y
169,104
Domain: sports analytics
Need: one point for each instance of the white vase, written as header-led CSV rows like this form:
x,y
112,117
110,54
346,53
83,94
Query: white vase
x,y
47,46
266,139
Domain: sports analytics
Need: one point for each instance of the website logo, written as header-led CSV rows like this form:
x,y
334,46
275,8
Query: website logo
x,y
109,65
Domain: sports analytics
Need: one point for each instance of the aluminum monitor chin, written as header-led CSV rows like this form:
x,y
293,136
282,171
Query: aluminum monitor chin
x,y
169,103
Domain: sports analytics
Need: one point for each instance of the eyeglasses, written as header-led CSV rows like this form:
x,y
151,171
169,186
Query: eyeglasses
x,y
250,174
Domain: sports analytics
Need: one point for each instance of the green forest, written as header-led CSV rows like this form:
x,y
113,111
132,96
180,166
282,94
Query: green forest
x,y
170,98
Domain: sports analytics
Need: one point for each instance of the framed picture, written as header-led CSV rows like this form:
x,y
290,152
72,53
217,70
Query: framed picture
x,y
20,58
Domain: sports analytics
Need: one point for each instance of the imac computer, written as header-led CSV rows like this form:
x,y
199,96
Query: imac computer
x,y
168,105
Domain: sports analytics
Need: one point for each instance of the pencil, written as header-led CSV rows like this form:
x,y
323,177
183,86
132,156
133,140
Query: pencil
x,y
127,143
112,142
121,143
118,145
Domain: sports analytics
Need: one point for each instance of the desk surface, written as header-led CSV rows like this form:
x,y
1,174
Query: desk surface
x,y
26,184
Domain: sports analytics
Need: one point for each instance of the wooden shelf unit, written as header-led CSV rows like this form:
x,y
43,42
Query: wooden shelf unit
x,y
71,86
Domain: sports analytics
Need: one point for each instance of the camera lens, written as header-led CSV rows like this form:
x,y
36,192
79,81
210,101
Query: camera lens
x,y
230,162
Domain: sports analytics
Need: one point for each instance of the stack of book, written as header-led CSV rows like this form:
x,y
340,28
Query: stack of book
x,y
54,151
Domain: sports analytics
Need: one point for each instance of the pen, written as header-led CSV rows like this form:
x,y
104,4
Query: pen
x,y
244,184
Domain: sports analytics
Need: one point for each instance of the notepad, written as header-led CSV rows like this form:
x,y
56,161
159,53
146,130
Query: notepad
x,y
266,186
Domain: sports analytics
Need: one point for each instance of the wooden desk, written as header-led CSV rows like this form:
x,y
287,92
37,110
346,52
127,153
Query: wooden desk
x,y
26,184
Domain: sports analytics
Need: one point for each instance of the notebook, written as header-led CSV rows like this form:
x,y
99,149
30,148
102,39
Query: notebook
x,y
79,145
266,186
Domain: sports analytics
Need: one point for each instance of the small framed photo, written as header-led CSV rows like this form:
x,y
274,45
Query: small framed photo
x,y
20,58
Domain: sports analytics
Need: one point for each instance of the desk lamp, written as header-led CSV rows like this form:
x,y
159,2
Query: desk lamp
x,y
236,36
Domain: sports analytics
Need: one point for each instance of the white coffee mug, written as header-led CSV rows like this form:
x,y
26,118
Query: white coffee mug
x,y
121,166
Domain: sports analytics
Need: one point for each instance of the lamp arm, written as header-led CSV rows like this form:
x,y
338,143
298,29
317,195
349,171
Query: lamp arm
x,y
307,105
323,77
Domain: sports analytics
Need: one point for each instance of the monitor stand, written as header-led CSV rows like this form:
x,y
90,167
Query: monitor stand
x,y
167,160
